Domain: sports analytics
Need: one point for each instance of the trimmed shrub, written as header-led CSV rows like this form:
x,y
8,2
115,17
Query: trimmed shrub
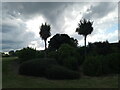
x,y
60,72
36,67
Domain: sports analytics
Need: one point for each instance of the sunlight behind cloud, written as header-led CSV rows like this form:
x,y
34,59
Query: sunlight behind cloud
x,y
23,21
34,25
72,23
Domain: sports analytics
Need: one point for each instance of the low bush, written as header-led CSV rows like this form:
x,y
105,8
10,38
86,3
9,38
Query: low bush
x,y
102,65
60,72
80,58
40,54
52,54
36,67
26,54
114,62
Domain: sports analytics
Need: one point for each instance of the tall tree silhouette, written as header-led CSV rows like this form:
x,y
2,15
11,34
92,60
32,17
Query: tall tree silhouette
x,y
45,33
84,28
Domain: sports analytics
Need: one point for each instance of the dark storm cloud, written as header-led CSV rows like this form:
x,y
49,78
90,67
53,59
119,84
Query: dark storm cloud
x,y
100,10
52,12
14,35
10,42
29,9
14,32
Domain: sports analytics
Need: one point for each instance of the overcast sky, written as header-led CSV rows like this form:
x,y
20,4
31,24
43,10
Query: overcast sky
x,y
21,22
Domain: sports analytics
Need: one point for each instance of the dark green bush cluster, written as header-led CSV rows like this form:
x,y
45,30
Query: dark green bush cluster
x,y
52,54
67,60
47,68
80,55
60,72
113,62
26,54
101,65
40,54
71,63
36,67
93,65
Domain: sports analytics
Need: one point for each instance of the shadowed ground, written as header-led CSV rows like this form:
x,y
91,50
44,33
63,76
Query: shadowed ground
x,y
11,79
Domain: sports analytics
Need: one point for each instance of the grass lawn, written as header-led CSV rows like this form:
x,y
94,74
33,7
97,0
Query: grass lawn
x,y
11,79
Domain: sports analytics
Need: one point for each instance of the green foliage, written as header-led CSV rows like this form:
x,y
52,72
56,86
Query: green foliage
x,y
40,54
93,66
66,51
80,55
60,72
26,54
84,27
36,67
11,79
102,65
45,31
113,62
69,57
57,40
52,54
47,68
71,63
100,48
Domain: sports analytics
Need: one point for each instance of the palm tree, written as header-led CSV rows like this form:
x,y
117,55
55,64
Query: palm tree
x,y
45,33
84,28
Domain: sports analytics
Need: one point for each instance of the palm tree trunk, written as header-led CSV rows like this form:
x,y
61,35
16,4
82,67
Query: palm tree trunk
x,y
45,47
85,45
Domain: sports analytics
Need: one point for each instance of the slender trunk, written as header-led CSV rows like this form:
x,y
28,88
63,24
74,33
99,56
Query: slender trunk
x,y
85,46
45,45
45,48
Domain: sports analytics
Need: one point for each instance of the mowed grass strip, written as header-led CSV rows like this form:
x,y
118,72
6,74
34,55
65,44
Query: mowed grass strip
x,y
11,79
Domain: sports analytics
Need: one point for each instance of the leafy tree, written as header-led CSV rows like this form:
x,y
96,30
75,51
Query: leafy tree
x,y
45,33
57,40
84,28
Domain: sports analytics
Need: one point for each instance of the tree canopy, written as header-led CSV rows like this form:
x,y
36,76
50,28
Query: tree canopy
x,y
57,40
45,32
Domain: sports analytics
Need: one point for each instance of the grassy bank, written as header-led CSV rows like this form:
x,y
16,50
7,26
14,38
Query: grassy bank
x,y
11,79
